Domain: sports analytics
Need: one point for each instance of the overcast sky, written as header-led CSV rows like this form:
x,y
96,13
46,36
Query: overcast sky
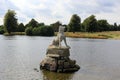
x,y
50,11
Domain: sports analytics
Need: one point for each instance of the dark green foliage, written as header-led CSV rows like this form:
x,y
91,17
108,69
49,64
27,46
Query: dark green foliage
x,y
111,27
47,31
115,27
90,24
21,27
103,25
55,26
65,27
74,24
10,21
28,31
119,28
1,29
40,31
36,31
33,23
82,28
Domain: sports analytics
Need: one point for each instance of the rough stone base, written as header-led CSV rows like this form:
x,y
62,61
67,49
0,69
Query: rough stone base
x,y
57,59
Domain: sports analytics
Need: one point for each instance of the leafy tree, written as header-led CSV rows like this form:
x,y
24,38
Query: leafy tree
x,y
90,24
115,27
118,27
74,24
28,31
50,31
33,23
10,21
36,31
65,27
1,29
40,31
83,28
21,27
103,25
111,27
55,26
46,31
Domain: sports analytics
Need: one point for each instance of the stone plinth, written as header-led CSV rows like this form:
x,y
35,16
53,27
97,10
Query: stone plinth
x,y
53,51
57,59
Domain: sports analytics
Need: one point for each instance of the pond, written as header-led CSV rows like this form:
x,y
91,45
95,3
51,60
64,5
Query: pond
x,y
20,57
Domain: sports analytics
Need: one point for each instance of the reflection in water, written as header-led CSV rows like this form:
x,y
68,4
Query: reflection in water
x,y
56,76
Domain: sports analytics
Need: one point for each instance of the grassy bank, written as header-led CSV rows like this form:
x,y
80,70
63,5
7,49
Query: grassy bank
x,y
14,33
96,35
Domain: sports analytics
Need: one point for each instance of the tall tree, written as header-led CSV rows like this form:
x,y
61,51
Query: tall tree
x,y
33,23
21,27
115,27
56,25
103,25
118,27
10,21
74,24
90,24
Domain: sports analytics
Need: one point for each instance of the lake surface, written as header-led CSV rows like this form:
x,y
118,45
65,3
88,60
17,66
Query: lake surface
x,y
20,56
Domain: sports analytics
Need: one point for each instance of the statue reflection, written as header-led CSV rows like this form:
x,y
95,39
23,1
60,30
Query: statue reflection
x,y
47,75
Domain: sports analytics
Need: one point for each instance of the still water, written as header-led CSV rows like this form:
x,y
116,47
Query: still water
x,y
20,56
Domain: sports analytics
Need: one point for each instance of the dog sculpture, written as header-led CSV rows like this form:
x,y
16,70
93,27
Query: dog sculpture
x,y
60,36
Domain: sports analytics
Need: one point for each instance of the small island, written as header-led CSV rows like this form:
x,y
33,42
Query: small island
x,y
57,56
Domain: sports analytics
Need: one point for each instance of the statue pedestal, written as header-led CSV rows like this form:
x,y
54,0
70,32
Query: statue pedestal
x,y
57,59
58,52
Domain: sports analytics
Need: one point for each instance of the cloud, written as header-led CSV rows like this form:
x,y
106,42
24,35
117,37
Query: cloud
x,y
4,6
112,16
50,11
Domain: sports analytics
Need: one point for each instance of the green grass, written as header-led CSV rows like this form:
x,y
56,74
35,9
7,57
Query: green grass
x,y
95,35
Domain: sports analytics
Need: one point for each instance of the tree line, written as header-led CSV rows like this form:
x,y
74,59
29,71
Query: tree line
x,y
90,24
31,28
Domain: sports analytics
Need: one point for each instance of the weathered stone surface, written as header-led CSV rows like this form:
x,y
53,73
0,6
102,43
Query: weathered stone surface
x,y
57,59
57,52
57,65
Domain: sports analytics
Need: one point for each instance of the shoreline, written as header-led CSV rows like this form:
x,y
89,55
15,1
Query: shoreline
x,y
96,35
115,35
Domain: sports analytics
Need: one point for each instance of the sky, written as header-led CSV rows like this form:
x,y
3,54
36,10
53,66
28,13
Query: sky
x,y
50,11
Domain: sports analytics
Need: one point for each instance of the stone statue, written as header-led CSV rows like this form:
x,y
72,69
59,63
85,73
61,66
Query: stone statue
x,y
57,57
60,36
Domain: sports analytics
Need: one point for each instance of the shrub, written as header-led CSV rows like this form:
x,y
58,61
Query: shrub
x,y
36,31
1,30
40,31
28,31
47,31
21,27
